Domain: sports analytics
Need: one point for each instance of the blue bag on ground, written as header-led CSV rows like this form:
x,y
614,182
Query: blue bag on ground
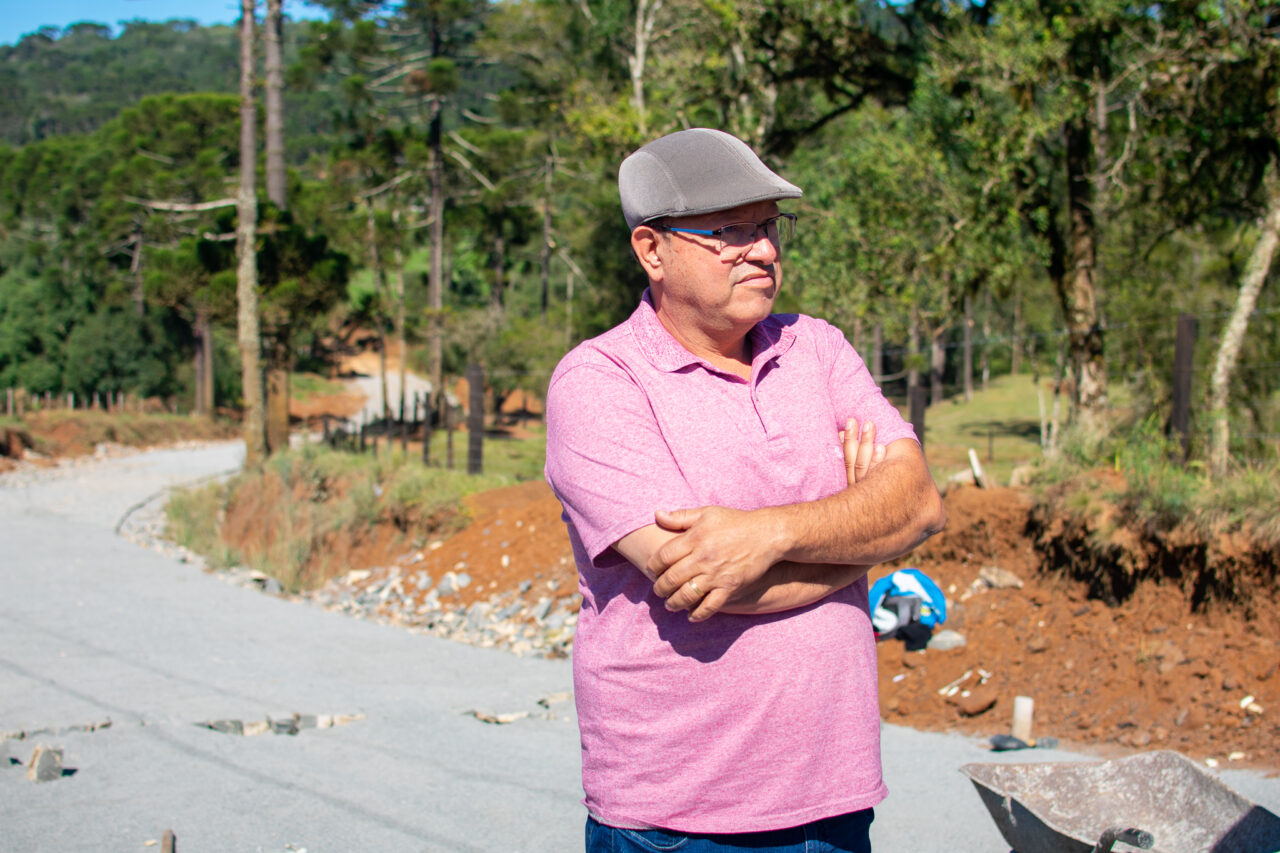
x,y
907,604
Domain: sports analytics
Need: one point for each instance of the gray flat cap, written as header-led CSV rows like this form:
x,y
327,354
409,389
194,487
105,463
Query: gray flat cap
x,y
695,171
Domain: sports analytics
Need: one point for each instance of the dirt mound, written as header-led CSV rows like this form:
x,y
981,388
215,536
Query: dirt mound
x,y
515,541
65,434
1153,672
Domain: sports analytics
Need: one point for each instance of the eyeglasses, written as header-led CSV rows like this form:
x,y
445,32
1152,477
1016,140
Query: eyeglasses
x,y
740,236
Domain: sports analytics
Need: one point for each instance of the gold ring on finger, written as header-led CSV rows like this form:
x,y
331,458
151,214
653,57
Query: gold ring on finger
x,y
695,589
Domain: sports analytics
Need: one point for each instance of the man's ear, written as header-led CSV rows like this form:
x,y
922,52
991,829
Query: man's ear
x,y
645,245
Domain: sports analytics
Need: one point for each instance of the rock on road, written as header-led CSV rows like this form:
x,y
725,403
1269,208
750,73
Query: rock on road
x,y
96,630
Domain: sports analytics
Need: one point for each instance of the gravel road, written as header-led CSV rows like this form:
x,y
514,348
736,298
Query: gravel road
x,y
118,654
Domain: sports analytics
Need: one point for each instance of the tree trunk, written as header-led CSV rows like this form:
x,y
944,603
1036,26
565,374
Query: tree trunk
x,y
937,364
499,268
877,351
568,312
382,372
247,321
1255,274
279,357
1077,289
135,267
279,366
985,364
645,20
203,363
399,319
380,281
1015,345
546,236
913,353
435,274
968,348
274,98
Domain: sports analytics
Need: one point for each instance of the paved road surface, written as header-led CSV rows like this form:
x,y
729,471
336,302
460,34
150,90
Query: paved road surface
x,y
94,628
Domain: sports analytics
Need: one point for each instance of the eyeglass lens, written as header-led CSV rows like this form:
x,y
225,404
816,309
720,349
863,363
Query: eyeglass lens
x,y
739,235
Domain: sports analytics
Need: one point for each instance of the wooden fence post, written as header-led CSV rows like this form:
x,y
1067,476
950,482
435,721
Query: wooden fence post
x,y
475,423
404,428
1183,352
426,430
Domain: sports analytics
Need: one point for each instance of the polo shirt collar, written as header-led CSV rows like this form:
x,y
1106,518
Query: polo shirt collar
x,y
769,338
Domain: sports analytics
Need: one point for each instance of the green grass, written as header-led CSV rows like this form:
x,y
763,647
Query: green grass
x,y
1139,470
511,460
1001,423
304,386
192,522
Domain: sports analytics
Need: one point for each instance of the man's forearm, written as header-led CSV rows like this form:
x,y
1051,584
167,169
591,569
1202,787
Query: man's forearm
x,y
720,551
788,585
888,513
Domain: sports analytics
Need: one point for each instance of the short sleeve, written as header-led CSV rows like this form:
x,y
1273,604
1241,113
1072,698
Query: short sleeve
x,y
854,392
607,460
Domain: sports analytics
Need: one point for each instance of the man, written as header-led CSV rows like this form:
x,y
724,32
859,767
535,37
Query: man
x,y
727,475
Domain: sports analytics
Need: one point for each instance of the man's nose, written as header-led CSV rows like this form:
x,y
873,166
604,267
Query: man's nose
x,y
762,248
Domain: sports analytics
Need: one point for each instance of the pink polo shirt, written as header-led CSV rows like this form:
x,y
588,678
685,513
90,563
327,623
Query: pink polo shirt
x,y
739,723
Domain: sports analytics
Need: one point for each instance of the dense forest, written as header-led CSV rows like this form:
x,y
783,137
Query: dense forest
x,y
1035,186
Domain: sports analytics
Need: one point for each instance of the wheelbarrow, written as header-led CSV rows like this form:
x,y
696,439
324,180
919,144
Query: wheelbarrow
x,y
1158,801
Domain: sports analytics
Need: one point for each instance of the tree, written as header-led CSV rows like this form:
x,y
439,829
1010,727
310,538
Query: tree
x,y
279,355
1045,85
254,429
1231,85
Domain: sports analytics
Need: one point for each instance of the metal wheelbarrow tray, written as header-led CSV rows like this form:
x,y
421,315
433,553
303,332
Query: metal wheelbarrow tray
x,y
1076,807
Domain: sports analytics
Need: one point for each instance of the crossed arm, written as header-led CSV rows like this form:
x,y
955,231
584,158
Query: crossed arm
x,y
713,559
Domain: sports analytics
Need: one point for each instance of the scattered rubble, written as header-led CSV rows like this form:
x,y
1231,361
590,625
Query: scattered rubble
x,y
497,719
503,620
998,578
281,724
52,731
45,764
946,640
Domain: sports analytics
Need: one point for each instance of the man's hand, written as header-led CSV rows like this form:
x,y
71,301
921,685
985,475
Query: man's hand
x,y
721,552
860,451
718,551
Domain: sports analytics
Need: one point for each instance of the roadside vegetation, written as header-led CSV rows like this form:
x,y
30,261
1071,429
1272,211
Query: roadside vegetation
x,y
1112,512
301,516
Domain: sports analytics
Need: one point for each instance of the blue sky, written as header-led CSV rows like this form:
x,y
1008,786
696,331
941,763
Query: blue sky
x,y
20,17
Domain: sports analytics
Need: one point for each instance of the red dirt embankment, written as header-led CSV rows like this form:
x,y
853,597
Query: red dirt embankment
x,y
1149,673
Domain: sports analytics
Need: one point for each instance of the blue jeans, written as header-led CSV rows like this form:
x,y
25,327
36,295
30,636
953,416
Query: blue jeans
x,y
842,834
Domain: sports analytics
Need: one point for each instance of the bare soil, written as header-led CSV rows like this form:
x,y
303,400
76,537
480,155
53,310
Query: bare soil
x,y
1151,672
46,436
1154,659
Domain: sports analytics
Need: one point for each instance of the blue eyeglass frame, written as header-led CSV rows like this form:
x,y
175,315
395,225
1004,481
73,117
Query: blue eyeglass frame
x,y
719,232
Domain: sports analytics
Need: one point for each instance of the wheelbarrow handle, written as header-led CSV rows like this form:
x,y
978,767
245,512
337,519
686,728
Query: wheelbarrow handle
x,y
1129,835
